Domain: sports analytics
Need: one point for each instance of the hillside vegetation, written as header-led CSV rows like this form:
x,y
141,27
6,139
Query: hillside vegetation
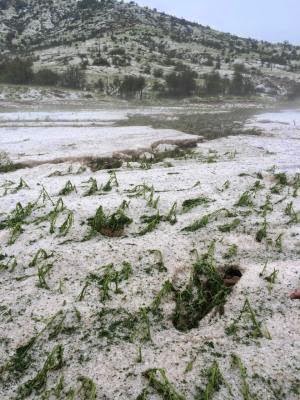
x,y
108,41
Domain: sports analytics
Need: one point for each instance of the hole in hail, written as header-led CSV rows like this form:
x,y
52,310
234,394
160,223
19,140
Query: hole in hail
x,y
232,276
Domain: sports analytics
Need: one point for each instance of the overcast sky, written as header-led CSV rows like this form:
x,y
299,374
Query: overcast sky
x,y
272,20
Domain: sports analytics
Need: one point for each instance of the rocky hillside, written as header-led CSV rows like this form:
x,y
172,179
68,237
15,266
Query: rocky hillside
x,y
109,38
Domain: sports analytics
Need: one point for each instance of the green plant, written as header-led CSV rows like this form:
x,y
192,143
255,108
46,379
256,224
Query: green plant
x,y
199,224
8,185
166,289
225,186
44,196
151,201
53,362
160,262
206,219
230,227
140,190
152,221
93,189
119,324
15,232
262,232
104,281
215,380
15,220
231,252
158,380
296,184
69,171
290,211
9,265
281,178
145,164
255,330
43,271
21,360
187,205
112,182
267,207
22,184
67,189
256,187
88,389
271,279
111,225
40,255
278,242
67,224
56,391
205,291
171,217
237,363
52,216
245,200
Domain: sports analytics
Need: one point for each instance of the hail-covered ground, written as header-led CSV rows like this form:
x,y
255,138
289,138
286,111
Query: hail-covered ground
x,y
166,278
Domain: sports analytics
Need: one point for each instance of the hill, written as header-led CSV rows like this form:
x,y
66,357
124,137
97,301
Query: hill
x,y
109,39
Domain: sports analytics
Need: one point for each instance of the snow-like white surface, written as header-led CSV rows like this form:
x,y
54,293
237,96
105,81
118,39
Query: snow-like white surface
x,y
114,367
63,116
46,144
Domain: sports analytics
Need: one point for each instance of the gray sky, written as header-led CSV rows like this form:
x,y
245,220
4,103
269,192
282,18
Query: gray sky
x,y
272,20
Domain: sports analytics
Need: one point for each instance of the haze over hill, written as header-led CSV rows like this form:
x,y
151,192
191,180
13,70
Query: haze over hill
x,y
242,18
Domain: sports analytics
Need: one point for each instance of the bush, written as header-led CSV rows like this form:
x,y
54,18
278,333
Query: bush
x,y
46,77
118,51
215,85
121,61
239,68
131,85
158,72
16,71
101,62
89,4
146,69
99,85
293,92
181,83
241,85
73,78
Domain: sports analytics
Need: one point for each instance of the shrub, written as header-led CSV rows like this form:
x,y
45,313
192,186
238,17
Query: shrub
x,y
131,85
146,69
158,72
73,78
46,77
89,4
239,68
181,83
118,51
16,71
214,84
294,91
111,225
120,61
101,62
99,85
241,85
158,87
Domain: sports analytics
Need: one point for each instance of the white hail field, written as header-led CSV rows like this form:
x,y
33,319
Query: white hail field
x,y
115,325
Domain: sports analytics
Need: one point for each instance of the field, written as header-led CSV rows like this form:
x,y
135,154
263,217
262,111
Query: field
x,y
138,262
